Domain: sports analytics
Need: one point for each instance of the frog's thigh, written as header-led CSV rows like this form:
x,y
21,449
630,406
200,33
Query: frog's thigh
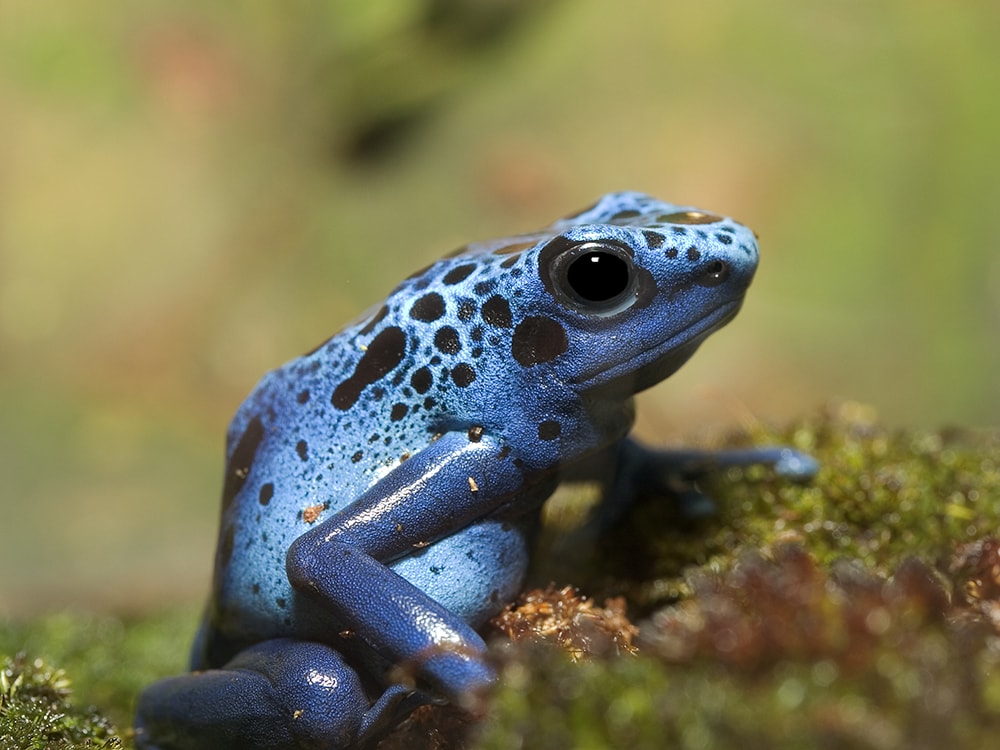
x,y
276,695
473,572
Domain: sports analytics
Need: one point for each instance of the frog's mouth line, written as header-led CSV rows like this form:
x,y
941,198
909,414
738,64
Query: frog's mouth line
x,y
655,363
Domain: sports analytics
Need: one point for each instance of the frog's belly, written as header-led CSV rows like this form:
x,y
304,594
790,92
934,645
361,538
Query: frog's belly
x,y
473,573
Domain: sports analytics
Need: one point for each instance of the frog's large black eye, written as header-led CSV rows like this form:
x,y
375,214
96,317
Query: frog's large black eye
x,y
596,277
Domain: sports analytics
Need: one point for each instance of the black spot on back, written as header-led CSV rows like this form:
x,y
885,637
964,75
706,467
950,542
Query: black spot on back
x,y
693,253
421,380
242,459
266,493
459,273
627,214
428,308
496,312
463,375
514,249
446,340
537,339
303,396
302,448
384,353
398,412
466,309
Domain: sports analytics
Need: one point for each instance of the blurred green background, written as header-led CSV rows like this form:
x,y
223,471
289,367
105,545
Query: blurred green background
x,y
191,194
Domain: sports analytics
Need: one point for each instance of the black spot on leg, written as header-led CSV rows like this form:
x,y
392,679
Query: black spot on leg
x,y
398,412
384,353
549,430
302,448
358,455
242,459
303,396
537,339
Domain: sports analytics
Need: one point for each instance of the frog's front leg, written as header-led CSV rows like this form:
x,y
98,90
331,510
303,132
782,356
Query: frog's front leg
x,y
631,470
287,693
342,563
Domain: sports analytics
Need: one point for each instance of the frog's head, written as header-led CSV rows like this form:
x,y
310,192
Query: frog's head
x,y
631,287
597,306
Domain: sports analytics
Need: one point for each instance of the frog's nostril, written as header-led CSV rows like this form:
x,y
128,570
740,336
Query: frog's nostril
x,y
714,274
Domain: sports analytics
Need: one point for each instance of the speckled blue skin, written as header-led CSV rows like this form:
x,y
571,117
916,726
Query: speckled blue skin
x,y
380,491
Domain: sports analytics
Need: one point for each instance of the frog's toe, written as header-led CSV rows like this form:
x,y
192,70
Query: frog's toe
x,y
795,465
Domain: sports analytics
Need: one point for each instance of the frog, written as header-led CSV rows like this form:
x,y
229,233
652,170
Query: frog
x,y
381,492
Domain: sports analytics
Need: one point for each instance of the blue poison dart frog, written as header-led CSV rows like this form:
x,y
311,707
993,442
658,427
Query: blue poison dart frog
x,y
380,491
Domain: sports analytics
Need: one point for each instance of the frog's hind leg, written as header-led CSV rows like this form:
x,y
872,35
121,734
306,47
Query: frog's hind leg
x,y
280,694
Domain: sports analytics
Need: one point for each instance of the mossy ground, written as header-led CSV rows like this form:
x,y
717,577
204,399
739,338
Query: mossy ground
x,y
861,610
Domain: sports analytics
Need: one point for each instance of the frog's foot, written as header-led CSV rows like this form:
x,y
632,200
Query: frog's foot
x,y
280,694
675,476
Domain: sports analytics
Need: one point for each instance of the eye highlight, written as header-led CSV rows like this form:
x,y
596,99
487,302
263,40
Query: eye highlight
x,y
596,277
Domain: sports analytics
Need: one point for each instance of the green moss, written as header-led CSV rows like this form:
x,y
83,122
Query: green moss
x,y
881,496
861,610
35,711
108,660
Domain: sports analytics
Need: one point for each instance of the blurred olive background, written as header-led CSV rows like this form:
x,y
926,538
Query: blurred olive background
x,y
193,192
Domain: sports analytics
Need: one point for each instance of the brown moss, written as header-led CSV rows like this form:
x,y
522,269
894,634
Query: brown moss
x,y
564,617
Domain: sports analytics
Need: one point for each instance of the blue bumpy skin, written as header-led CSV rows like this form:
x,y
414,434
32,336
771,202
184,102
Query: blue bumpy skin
x,y
380,491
